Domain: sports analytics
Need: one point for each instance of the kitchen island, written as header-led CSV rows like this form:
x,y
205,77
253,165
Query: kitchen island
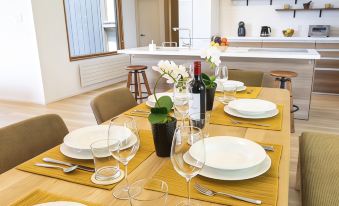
x,y
301,61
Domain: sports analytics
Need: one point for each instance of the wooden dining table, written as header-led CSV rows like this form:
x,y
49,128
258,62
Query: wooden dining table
x,y
15,184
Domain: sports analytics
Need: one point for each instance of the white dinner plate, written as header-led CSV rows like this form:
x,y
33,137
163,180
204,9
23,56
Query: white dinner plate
x,y
261,116
81,139
252,106
87,154
242,174
60,203
152,98
230,82
229,153
239,89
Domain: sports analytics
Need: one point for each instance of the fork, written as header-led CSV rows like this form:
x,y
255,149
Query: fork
x,y
210,192
252,123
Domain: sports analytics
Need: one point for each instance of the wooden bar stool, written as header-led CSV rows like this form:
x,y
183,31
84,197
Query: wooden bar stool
x,y
283,81
134,72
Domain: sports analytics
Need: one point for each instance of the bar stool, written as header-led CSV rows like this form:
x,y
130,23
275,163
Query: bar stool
x,y
283,81
134,72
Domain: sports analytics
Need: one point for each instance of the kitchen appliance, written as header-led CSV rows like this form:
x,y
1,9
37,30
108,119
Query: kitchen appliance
x,y
241,29
319,31
265,31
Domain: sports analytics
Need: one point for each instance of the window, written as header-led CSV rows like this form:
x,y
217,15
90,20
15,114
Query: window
x,y
94,27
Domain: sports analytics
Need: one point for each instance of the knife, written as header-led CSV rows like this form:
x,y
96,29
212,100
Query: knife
x,y
80,167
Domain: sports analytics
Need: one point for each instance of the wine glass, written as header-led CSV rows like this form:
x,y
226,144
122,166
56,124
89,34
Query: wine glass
x,y
221,72
123,142
181,98
184,139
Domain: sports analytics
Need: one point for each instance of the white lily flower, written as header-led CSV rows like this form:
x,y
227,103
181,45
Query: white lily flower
x,y
171,71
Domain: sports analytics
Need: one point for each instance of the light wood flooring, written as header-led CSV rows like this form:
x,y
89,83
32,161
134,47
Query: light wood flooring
x,y
77,113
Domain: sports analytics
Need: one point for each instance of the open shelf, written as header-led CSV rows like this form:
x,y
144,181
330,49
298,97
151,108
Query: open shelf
x,y
311,9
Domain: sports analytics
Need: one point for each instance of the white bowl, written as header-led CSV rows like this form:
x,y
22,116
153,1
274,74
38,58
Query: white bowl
x,y
229,153
252,106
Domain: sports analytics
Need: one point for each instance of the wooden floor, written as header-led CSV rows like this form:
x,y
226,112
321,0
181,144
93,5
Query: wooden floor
x,y
77,113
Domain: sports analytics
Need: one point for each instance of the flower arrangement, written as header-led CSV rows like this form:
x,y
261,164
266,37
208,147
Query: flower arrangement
x,y
173,73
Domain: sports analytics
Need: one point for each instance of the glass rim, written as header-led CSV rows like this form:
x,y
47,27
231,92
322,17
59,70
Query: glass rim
x,y
100,140
186,127
146,180
120,116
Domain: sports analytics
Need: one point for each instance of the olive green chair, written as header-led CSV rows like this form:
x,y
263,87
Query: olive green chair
x,y
26,139
319,169
112,103
250,78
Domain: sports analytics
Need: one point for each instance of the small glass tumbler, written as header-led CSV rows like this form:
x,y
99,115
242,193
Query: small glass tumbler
x,y
229,93
202,121
106,167
146,192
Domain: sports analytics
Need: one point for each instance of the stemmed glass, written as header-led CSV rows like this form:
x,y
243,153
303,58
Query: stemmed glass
x,y
221,72
184,139
181,98
123,142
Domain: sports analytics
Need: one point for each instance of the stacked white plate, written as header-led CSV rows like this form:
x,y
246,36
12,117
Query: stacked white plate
x,y
230,158
77,144
251,108
151,99
220,82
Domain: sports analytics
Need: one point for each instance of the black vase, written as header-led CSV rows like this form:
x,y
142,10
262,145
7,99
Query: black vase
x,y
162,137
210,92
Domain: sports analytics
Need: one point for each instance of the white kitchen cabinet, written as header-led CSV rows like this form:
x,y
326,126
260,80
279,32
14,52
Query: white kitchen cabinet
x,y
201,17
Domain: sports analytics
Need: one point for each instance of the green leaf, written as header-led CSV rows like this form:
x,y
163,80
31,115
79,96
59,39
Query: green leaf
x,y
159,110
213,78
205,77
157,118
165,101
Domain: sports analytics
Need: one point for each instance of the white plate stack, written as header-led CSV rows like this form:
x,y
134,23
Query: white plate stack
x,y
251,108
151,99
239,85
77,144
230,158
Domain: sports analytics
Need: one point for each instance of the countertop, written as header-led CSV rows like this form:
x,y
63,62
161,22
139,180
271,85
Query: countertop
x,y
230,52
285,39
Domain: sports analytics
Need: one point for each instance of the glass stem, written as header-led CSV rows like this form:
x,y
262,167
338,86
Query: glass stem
x,y
188,192
127,184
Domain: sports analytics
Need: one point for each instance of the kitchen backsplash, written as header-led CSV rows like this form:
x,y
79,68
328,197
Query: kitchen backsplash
x,y
260,13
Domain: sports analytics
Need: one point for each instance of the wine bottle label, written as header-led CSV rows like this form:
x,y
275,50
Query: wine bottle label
x,y
194,104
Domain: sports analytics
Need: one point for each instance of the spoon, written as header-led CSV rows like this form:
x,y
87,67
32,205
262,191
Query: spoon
x,y
65,169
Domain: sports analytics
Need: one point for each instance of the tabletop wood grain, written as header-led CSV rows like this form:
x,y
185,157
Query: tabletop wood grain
x,y
15,184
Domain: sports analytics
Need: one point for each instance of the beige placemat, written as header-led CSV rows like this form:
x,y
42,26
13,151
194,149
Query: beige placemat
x,y
264,187
80,176
39,196
249,93
219,116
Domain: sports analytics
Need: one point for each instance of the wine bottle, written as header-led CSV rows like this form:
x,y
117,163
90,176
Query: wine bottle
x,y
197,102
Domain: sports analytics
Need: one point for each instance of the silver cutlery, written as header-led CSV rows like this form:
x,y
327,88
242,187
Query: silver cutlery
x,y
141,111
80,167
210,192
252,123
65,169
268,148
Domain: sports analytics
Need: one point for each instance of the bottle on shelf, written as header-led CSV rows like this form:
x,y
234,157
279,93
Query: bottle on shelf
x,y
197,102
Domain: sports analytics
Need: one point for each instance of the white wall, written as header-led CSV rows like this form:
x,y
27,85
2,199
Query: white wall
x,y
260,13
20,77
130,33
60,76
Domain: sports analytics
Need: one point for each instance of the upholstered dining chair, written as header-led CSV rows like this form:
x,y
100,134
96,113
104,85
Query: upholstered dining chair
x,y
112,103
318,169
26,139
250,78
